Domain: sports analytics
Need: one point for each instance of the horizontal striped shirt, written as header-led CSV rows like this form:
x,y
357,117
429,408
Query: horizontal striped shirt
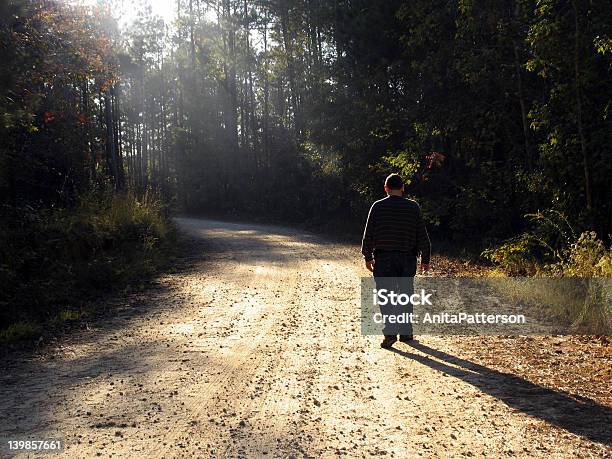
x,y
395,224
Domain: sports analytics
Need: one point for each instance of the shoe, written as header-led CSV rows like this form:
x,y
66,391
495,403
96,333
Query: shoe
x,y
388,342
406,338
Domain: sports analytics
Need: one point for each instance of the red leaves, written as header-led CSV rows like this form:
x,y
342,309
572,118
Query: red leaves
x,y
48,117
105,84
434,159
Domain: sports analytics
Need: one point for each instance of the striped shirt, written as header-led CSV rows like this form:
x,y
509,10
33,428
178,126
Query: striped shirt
x,y
395,224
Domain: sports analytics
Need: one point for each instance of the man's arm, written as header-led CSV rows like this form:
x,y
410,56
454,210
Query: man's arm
x,y
423,242
367,242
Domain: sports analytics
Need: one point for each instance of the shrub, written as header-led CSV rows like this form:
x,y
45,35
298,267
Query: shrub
x,y
52,260
586,257
515,257
19,331
553,250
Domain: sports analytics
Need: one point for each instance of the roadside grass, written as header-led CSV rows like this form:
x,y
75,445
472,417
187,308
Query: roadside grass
x,y
574,305
19,331
54,263
572,279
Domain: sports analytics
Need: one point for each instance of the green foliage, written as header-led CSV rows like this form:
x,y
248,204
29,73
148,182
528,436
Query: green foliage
x,y
56,258
330,97
296,111
19,331
552,248
406,164
581,292
514,256
68,315
142,220
587,257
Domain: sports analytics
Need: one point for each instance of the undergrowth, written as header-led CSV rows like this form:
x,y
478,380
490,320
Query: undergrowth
x,y
553,249
53,261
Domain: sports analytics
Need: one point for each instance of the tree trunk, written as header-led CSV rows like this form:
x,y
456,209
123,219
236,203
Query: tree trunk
x,y
111,158
117,137
266,104
290,69
578,90
524,119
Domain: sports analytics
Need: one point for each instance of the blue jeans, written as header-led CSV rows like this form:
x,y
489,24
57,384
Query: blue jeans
x,y
395,272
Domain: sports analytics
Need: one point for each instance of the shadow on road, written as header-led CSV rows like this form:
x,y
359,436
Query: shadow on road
x,y
579,415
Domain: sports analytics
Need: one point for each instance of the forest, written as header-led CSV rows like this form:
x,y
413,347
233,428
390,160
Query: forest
x,y
183,188
497,115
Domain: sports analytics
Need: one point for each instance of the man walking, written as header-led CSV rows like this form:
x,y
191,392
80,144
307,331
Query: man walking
x,y
394,236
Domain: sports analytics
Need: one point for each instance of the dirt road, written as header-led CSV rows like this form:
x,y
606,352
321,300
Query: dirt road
x,y
253,349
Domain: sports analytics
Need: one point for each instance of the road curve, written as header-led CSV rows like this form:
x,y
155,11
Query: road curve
x,y
252,348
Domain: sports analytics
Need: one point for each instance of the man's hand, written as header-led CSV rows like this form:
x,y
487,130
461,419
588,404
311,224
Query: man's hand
x,y
424,267
370,265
